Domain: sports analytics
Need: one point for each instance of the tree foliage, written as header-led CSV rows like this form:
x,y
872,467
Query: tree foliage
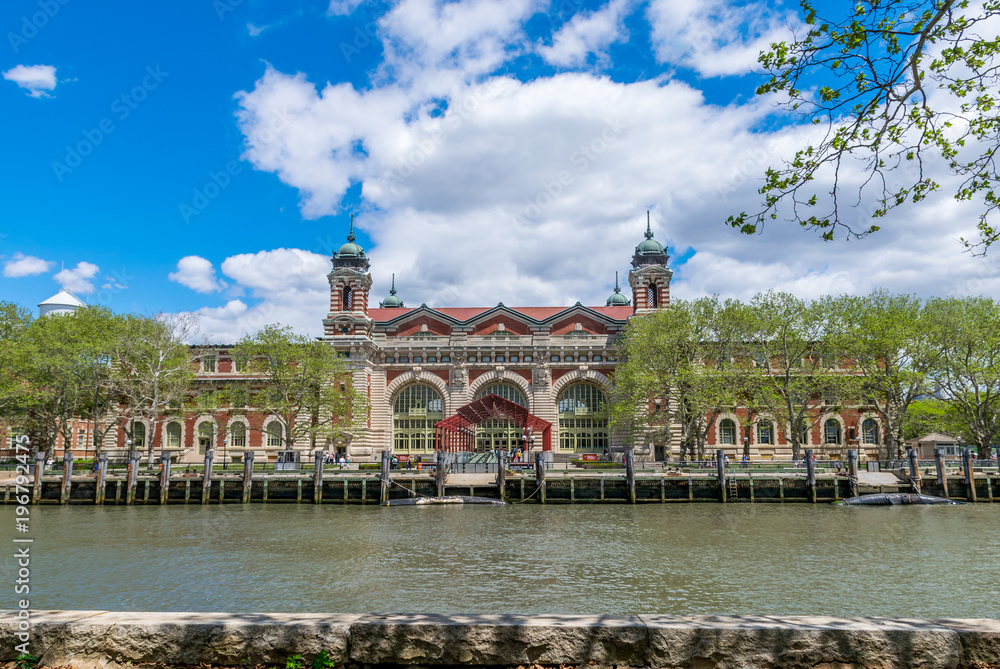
x,y
902,89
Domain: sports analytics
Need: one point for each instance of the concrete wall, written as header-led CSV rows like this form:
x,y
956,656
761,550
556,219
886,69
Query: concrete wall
x,y
100,638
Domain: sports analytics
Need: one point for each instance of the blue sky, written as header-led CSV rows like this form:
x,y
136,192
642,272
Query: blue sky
x,y
227,142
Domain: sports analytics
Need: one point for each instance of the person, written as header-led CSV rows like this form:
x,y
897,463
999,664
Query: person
x,y
49,462
746,461
342,462
97,466
394,463
727,460
606,454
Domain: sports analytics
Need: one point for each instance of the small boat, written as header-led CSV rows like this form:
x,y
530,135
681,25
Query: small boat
x,y
895,498
451,499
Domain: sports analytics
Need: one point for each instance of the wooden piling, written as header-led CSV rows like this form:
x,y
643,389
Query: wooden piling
x,y
318,477
67,477
914,469
501,474
811,475
36,486
630,474
720,468
206,480
164,477
383,495
540,476
852,472
133,476
102,477
440,473
970,476
247,475
942,472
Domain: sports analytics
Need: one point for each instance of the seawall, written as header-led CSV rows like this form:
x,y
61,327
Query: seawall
x,y
102,638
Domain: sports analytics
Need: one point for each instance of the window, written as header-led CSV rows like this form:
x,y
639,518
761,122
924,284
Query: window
x,y
206,436
597,358
347,303
500,432
527,358
238,397
472,358
583,420
81,439
486,358
727,432
414,412
831,431
238,435
173,435
765,432
555,358
208,364
569,358
390,359
651,296
869,431
275,433
513,358
431,358
240,364
404,358
500,358
418,359
445,358
138,435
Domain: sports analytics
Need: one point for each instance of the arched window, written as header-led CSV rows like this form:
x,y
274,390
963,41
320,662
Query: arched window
x,y
206,436
583,419
869,431
500,433
727,432
831,431
348,301
138,435
414,412
275,434
765,432
173,435
238,435
651,296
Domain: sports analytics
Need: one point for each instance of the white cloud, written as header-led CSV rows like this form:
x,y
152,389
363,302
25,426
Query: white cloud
x,y
342,7
77,280
587,34
198,274
38,80
715,37
22,265
253,30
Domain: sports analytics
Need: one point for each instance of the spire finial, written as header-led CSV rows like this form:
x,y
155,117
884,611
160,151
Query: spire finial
x,y
392,291
350,235
649,231
618,288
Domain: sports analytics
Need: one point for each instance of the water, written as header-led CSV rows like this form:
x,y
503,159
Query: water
x,y
673,559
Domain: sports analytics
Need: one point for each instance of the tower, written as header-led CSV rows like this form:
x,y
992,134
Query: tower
x,y
349,286
649,276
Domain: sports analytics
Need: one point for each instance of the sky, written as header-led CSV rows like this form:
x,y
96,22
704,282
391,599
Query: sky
x,y
205,156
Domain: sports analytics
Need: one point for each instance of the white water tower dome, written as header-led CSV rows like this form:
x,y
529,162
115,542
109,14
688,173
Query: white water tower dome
x,y
63,302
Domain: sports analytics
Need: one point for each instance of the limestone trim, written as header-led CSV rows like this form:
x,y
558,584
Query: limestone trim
x,y
740,430
421,376
265,436
581,375
822,430
879,428
502,376
754,437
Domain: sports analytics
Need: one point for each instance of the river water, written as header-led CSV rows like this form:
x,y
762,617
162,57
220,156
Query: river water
x,y
672,559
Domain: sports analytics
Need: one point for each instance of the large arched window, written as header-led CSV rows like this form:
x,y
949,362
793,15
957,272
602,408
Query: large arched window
x,y
138,435
831,431
727,432
583,419
275,434
414,412
238,435
206,436
651,296
173,435
869,431
499,433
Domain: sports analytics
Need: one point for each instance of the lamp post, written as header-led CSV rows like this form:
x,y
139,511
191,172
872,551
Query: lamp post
x,y
225,447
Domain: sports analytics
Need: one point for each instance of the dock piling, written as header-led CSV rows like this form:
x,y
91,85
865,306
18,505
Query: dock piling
x,y
942,473
383,495
914,470
811,475
36,488
133,476
206,481
630,474
720,468
501,473
247,475
852,472
318,477
540,476
970,476
67,477
102,477
164,477
439,473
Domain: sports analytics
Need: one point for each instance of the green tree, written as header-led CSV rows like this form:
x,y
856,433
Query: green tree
x,y
303,381
896,88
930,414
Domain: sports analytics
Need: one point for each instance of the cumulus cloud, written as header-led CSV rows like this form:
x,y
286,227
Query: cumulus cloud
x,y
715,37
480,187
77,280
37,80
21,265
198,274
587,34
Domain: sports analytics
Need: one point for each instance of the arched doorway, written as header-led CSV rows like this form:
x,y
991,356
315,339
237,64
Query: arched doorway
x,y
206,436
500,433
583,419
414,412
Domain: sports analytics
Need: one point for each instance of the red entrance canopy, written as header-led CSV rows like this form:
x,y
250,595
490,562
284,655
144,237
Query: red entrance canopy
x,y
457,433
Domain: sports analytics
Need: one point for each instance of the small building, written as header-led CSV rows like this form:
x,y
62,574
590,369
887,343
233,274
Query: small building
x,y
925,445
63,302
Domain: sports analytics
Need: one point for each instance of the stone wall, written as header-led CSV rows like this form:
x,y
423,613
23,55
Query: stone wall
x,y
101,638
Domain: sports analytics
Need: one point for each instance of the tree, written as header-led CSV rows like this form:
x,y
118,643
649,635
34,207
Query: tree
x,y
884,337
152,371
301,380
894,84
966,331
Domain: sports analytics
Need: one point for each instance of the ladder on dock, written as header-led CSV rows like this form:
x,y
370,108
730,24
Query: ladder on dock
x,y
733,489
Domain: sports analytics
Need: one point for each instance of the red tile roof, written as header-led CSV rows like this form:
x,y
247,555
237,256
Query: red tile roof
x,y
462,314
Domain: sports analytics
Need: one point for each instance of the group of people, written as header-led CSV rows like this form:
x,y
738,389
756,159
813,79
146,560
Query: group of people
x,y
341,461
